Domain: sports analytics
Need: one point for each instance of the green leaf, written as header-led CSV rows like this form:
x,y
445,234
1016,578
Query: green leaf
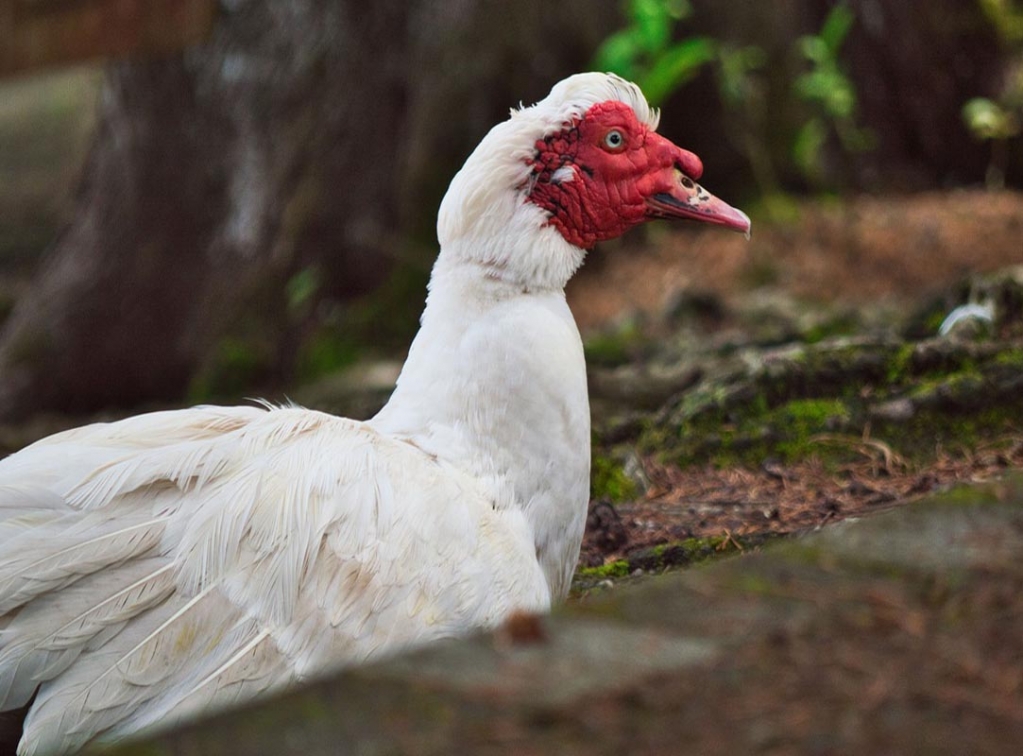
x,y
652,23
618,54
734,68
989,120
836,27
678,9
812,86
814,49
302,287
840,101
806,149
677,66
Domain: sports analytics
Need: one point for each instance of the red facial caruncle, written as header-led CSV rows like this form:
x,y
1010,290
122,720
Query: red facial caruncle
x,y
607,172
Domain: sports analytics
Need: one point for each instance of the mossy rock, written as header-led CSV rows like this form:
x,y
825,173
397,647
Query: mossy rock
x,y
610,481
664,558
797,401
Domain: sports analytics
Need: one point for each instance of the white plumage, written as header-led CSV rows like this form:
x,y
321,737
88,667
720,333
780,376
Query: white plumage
x,y
176,561
254,548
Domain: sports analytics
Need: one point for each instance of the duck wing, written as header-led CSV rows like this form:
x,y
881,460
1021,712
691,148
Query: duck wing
x,y
183,560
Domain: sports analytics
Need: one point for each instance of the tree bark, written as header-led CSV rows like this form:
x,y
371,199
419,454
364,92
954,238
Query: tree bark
x,y
309,134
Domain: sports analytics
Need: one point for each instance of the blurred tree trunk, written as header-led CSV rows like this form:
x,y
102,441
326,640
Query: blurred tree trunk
x,y
308,135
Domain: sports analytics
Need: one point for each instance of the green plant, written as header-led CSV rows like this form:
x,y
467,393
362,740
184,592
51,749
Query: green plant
x,y
646,52
1000,120
302,288
743,89
831,94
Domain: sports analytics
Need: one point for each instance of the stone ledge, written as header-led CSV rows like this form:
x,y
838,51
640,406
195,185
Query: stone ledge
x,y
900,633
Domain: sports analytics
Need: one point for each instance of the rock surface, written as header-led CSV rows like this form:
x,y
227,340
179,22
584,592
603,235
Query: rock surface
x,y
898,633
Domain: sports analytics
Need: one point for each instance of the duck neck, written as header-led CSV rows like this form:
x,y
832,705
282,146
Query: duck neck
x,y
495,385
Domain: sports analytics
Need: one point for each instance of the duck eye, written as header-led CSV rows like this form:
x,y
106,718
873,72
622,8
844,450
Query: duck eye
x,y
614,140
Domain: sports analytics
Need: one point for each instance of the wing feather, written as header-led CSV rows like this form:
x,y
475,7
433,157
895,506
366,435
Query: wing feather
x,y
51,632
36,567
197,558
107,684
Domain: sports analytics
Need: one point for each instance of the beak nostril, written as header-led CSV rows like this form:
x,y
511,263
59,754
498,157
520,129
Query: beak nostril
x,y
684,179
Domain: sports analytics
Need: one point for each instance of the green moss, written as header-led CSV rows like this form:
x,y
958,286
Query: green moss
x,y
616,347
958,395
660,558
840,325
799,421
605,350
701,549
900,363
749,433
617,569
1012,357
686,553
949,427
609,481
812,414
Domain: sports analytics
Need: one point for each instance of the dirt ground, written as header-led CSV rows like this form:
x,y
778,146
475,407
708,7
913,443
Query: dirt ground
x,y
892,252
707,501
865,249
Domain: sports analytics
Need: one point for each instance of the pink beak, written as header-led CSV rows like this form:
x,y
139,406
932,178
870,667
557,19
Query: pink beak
x,y
687,199
672,192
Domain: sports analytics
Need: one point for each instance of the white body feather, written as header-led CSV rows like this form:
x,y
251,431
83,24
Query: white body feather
x,y
175,561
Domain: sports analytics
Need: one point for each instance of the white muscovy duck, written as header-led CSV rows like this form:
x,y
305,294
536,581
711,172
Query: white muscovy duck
x,y
180,560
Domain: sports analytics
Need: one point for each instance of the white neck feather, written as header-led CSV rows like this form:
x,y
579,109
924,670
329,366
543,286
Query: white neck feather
x,y
495,386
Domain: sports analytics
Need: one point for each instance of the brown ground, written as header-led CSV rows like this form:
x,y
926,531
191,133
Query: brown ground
x,y
867,249
776,499
887,250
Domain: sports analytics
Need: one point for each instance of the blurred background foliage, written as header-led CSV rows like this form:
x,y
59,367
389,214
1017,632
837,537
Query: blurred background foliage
x,y
255,210
999,119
